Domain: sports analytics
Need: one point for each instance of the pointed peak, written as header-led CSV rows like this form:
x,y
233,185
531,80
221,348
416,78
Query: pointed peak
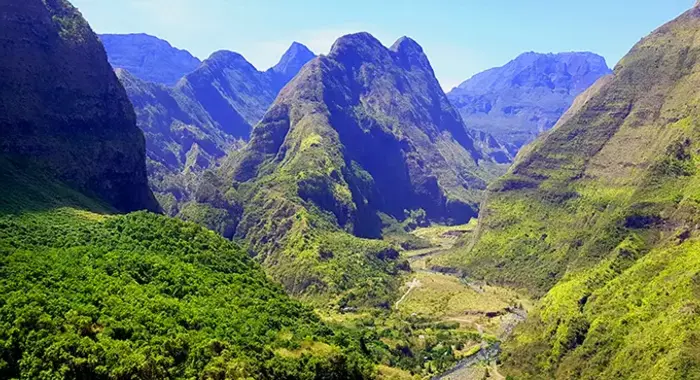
x,y
292,61
410,53
297,48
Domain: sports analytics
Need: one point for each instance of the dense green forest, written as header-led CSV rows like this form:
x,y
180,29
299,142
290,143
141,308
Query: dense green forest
x,y
84,295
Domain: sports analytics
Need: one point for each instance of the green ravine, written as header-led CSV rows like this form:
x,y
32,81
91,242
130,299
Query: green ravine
x,y
600,217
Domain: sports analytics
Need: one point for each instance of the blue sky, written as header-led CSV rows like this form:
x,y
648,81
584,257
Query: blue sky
x,y
461,38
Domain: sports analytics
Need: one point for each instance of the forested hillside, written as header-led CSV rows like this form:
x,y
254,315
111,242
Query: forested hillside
x,y
600,216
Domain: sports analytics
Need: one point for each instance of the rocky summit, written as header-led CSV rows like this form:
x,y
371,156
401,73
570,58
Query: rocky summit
x,y
360,135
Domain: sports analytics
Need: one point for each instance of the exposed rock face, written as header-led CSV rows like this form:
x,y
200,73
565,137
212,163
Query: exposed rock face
x,y
517,102
148,58
62,108
375,122
359,135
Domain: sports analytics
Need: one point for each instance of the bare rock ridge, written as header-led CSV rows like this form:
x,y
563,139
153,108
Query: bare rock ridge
x,y
148,58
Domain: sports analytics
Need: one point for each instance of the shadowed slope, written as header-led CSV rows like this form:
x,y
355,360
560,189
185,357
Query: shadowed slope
x,y
62,109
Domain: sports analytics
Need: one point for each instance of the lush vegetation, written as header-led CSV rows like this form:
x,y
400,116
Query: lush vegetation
x,y
84,295
600,216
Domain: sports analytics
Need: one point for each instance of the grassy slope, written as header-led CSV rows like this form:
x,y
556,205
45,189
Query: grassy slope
x,y
600,215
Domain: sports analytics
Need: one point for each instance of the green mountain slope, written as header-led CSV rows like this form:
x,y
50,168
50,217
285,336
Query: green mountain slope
x,y
143,296
601,217
62,109
180,133
359,136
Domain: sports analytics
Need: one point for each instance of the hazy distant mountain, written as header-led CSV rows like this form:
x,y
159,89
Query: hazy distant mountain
x,y
526,97
148,58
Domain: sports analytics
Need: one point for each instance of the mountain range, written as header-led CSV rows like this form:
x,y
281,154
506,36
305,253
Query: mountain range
x,y
298,192
360,135
517,102
208,110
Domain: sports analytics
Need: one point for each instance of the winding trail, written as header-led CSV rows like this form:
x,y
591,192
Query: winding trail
x,y
411,285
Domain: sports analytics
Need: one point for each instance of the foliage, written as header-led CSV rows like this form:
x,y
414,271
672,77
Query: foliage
x,y
143,296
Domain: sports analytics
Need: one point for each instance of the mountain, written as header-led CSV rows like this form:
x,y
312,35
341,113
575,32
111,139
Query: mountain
x,y
62,109
148,58
359,136
87,294
180,133
209,111
517,102
600,216
291,63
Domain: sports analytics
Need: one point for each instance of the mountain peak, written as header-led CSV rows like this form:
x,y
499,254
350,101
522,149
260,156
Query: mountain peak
x,y
411,53
292,61
406,43
357,47
526,96
229,59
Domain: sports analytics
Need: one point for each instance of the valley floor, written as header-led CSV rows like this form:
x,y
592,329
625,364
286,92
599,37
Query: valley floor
x,y
483,315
